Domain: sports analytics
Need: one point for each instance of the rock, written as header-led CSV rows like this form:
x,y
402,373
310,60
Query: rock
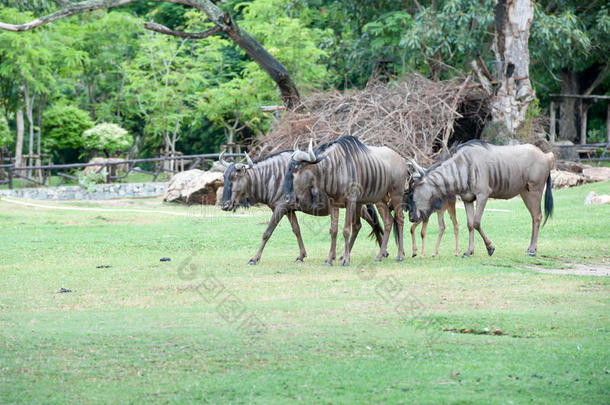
x,y
113,170
596,173
219,196
565,150
593,198
193,187
563,179
573,167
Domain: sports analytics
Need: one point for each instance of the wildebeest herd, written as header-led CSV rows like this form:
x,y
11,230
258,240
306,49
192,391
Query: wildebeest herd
x,y
346,173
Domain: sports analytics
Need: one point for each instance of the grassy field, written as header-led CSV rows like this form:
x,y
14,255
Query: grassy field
x,y
206,327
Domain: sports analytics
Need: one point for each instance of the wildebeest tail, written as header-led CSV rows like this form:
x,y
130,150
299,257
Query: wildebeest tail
x,y
377,232
548,200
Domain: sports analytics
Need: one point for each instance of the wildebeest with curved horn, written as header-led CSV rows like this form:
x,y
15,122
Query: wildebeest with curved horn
x,y
249,183
349,173
479,171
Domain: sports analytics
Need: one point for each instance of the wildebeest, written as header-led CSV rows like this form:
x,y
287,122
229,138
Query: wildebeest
x,y
448,205
249,183
349,173
479,171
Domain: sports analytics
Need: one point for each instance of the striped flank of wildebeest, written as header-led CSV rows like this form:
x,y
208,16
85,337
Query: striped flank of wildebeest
x,y
349,173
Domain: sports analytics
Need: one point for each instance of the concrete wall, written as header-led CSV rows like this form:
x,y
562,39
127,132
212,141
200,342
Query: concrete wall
x,y
101,192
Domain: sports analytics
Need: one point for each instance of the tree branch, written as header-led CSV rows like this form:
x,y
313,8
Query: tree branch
x,y
193,35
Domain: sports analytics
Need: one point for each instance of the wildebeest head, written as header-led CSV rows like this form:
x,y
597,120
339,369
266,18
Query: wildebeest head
x,y
422,198
236,184
300,183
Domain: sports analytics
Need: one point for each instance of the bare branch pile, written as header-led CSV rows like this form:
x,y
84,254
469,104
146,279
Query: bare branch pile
x,y
414,116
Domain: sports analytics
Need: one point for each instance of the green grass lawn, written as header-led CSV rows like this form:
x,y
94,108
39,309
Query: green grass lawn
x,y
206,327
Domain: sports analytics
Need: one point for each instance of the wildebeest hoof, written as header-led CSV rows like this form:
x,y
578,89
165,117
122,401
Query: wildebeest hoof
x,y
327,263
386,254
378,259
345,264
490,250
531,253
298,260
414,254
252,262
466,255
400,259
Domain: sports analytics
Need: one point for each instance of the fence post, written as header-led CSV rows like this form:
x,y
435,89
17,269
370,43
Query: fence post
x,y
10,177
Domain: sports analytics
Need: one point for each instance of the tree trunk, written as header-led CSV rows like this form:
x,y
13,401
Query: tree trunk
x,y
513,19
568,108
20,135
29,107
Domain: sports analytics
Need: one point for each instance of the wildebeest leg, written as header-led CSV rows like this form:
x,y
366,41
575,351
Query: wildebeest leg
x,y
396,199
424,228
441,230
334,227
350,212
456,227
481,201
469,206
413,241
278,213
292,217
532,201
356,226
386,217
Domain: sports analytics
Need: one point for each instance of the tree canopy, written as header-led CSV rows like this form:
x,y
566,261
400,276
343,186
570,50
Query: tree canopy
x,y
187,94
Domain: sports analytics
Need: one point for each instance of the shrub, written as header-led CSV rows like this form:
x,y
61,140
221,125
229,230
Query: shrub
x,y
107,137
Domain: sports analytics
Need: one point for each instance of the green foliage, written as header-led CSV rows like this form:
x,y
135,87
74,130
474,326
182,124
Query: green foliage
x,y
90,179
64,125
6,136
108,137
570,37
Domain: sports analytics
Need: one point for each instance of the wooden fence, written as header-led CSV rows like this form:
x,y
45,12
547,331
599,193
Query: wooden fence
x,y
129,165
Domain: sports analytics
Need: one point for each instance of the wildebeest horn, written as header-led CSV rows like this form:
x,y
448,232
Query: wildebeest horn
x,y
310,152
221,160
249,161
416,166
301,156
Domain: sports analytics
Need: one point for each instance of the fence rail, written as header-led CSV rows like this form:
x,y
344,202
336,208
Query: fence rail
x,y
46,171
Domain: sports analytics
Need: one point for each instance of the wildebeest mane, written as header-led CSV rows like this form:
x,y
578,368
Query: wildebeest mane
x,y
472,142
274,155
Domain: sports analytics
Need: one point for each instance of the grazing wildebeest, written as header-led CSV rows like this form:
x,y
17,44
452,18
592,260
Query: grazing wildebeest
x,y
448,205
350,173
478,171
249,183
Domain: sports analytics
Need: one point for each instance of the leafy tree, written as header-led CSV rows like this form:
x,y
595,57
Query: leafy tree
x,y
570,45
163,83
63,127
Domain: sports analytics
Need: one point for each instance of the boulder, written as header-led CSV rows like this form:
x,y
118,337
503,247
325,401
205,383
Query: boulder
x,y
219,196
593,198
563,179
596,173
113,170
193,187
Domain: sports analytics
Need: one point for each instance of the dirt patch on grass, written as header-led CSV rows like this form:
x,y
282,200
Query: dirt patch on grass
x,y
576,269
